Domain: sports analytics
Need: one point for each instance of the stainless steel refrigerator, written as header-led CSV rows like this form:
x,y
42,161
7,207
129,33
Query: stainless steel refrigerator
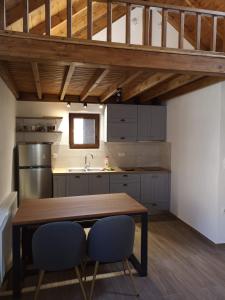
x,y
34,171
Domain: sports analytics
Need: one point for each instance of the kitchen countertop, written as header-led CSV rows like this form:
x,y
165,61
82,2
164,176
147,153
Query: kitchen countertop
x,y
130,170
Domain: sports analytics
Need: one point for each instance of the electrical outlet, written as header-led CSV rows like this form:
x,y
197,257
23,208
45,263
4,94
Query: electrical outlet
x,y
121,154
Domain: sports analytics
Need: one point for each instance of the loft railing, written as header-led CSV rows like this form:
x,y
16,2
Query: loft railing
x,y
147,21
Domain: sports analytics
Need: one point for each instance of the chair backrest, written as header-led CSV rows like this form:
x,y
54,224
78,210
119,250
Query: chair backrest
x,y
111,239
58,246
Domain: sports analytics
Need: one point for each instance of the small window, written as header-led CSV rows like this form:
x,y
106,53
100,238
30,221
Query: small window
x,y
83,131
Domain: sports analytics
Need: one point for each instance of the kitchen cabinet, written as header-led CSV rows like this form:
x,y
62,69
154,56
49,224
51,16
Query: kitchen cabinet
x,y
126,183
77,184
121,123
98,184
59,185
155,191
151,123
130,123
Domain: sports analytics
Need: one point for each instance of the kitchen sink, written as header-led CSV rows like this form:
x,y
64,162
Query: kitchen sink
x,y
75,170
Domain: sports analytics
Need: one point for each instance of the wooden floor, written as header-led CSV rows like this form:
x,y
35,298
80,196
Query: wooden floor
x,y
181,266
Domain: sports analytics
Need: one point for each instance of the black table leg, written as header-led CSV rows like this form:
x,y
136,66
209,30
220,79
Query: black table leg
x,y
16,263
142,267
144,244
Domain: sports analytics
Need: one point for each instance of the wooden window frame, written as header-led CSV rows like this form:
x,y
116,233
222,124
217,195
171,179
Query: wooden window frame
x,y
95,117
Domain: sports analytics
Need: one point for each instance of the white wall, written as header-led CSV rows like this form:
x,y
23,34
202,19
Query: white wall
x,y
7,135
194,132
221,204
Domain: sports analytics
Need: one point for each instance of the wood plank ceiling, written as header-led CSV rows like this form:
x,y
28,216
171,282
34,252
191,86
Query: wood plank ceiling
x,y
32,81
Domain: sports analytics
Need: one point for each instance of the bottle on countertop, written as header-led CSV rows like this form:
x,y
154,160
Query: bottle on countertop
x,y
106,163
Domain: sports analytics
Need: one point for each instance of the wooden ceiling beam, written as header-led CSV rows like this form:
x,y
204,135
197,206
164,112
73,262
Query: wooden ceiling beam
x,y
7,78
59,20
132,91
24,96
167,86
68,75
191,87
112,90
37,80
16,12
93,83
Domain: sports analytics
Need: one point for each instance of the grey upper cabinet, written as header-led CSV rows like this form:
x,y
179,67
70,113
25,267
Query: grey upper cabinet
x,y
151,123
121,123
155,191
98,184
59,185
130,123
77,184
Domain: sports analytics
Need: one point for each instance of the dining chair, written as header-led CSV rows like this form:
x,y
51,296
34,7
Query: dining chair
x,y
111,240
59,246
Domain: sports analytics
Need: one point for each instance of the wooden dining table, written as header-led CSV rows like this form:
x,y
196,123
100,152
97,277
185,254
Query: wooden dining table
x,y
80,209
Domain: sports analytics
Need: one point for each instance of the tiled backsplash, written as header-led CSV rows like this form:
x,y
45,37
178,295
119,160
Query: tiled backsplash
x,y
120,155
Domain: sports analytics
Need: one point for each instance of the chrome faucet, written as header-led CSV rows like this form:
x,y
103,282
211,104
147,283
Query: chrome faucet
x,y
87,163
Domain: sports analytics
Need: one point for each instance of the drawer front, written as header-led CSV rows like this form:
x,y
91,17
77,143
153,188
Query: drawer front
x,y
77,184
59,186
124,178
122,132
121,113
132,189
157,208
98,184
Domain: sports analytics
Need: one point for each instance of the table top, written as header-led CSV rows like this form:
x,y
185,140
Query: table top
x,y
76,208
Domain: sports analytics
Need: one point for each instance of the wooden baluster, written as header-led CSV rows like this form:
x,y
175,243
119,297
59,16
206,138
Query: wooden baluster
x,y
164,26
214,33
69,18
26,16
224,35
150,26
146,25
48,17
89,20
198,31
2,15
128,13
181,30
109,21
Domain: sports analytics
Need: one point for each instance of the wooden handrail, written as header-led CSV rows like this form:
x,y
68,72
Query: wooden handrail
x,y
190,10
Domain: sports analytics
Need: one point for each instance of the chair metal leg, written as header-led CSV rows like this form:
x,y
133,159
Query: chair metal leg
x,y
81,283
131,277
40,279
124,268
93,280
83,268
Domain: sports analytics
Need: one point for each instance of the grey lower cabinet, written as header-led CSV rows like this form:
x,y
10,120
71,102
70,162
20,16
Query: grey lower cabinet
x,y
126,183
151,189
155,191
98,184
151,123
77,184
59,186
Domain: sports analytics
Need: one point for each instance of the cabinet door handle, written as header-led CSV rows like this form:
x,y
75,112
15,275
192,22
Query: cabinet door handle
x,y
77,176
125,184
99,176
122,138
125,175
122,120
